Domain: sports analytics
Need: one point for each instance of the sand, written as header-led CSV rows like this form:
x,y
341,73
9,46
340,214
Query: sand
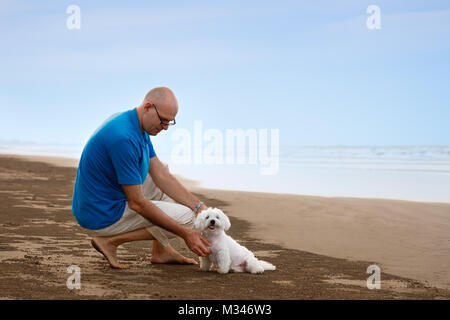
x,y
55,161
406,238
321,246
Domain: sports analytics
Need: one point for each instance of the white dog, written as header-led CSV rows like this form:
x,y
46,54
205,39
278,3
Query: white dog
x,y
226,253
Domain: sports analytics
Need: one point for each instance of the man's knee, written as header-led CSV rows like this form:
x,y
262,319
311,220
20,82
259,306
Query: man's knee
x,y
180,213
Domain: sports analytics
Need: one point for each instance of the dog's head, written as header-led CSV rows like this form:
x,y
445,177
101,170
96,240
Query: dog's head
x,y
212,220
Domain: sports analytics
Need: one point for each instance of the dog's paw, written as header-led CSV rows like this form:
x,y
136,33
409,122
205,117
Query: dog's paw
x,y
222,271
257,270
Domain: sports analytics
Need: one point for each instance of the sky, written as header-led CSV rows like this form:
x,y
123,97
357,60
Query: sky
x,y
311,69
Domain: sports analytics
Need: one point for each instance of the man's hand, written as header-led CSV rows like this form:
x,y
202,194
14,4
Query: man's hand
x,y
197,243
202,207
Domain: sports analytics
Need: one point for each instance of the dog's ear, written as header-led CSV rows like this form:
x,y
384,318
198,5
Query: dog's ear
x,y
227,223
198,223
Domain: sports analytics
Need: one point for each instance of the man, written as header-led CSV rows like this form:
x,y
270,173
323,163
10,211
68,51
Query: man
x,y
115,198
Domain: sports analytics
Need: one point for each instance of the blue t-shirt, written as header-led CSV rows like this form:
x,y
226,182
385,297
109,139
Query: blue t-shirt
x,y
117,153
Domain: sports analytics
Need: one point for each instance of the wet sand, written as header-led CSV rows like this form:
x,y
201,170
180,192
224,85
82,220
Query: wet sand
x,y
40,239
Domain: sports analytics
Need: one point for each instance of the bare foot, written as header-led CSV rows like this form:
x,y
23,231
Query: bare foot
x,y
169,255
108,251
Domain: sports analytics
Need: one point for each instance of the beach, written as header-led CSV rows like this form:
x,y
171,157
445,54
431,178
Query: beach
x,y
322,246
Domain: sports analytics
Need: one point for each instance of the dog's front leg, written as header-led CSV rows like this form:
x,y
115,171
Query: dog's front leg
x,y
205,264
223,261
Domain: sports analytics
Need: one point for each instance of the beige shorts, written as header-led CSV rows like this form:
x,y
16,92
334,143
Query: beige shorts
x,y
131,220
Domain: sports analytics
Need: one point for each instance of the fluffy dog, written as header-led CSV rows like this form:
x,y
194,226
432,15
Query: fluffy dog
x,y
226,253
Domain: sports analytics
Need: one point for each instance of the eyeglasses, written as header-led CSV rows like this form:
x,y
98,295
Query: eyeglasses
x,y
164,122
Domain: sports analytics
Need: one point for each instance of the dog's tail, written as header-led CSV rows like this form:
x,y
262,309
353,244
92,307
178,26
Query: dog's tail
x,y
266,265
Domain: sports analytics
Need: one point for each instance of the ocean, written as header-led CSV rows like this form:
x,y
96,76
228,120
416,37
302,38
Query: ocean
x,y
417,173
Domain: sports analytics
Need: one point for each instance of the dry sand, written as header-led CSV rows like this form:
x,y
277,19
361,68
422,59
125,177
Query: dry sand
x,y
406,238
55,161
322,246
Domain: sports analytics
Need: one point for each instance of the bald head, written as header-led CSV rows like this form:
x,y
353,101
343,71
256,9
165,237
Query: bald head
x,y
159,105
163,98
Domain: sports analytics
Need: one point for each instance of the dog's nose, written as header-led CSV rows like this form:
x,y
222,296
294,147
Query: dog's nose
x,y
212,222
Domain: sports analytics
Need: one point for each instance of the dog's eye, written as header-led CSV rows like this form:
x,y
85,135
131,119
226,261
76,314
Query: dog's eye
x,y
217,217
207,217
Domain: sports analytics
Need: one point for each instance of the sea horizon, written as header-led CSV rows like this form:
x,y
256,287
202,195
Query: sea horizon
x,y
414,173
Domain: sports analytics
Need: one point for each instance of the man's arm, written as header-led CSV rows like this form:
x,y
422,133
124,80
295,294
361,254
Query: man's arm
x,y
137,202
171,186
